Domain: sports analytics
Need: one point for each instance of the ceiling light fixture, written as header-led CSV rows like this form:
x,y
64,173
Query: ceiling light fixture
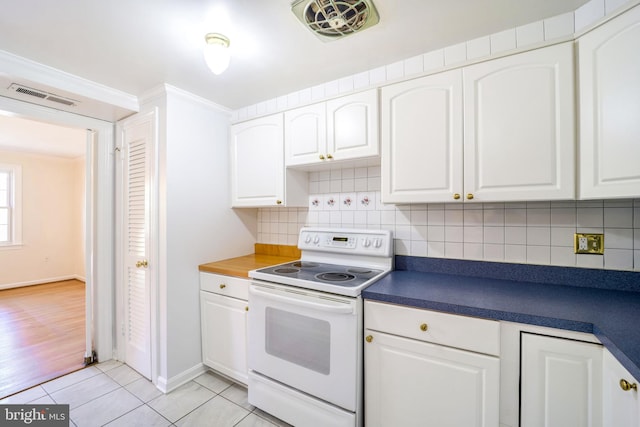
x,y
216,52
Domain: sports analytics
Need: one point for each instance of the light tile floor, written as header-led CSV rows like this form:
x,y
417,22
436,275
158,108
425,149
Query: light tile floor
x,y
112,394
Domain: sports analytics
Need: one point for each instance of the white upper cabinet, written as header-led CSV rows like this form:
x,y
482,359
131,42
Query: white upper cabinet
x,y
519,138
609,67
341,129
305,134
258,176
422,139
352,126
500,130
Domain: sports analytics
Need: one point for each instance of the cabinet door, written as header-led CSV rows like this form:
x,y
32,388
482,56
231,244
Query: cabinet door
x,y
561,382
257,166
422,139
609,109
519,138
352,126
305,135
224,335
621,406
413,383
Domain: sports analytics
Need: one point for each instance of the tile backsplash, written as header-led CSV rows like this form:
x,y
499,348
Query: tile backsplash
x,y
527,232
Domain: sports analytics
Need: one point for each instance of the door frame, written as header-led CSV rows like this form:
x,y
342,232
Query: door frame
x,y
99,226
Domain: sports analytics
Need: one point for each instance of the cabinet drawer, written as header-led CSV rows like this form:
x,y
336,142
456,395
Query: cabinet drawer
x,y
469,333
230,286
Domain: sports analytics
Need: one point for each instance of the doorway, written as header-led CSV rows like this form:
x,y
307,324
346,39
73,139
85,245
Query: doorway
x,y
97,222
42,243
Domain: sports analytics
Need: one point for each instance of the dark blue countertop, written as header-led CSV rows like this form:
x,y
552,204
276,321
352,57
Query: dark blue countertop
x,y
605,303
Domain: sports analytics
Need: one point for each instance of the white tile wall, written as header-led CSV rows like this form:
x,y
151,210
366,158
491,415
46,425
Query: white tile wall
x,y
532,232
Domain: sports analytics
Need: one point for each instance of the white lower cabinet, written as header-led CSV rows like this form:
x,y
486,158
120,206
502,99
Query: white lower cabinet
x,y
620,400
561,382
223,311
414,376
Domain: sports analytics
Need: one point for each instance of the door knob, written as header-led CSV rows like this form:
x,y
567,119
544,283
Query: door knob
x,y
321,157
144,263
456,196
469,196
626,385
368,338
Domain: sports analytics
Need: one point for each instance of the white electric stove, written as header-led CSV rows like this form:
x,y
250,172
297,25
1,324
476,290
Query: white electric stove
x,y
306,327
338,261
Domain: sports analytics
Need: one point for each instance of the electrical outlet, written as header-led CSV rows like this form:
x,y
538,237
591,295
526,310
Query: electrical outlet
x,y
589,244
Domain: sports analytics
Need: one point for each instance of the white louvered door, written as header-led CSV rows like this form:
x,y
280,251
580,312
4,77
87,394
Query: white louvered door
x,y
137,148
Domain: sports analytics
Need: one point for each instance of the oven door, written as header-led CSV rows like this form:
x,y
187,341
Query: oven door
x,y
306,340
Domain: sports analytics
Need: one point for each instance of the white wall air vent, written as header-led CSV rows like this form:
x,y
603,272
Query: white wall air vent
x,y
333,19
42,95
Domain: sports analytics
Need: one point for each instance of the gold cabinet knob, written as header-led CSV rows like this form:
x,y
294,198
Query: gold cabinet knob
x,y
321,157
424,327
626,385
456,196
222,286
246,308
278,202
144,263
469,196
368,338
329,156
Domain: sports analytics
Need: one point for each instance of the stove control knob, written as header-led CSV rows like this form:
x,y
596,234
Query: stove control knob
x,y
307,238
377,242
366,242
316,239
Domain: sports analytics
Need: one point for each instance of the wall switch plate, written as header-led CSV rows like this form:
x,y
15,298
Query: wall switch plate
x,y
589,244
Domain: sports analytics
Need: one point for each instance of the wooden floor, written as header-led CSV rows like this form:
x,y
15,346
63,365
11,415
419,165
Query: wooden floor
x,y
42,334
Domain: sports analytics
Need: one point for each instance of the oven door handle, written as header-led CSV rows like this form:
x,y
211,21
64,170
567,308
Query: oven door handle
x,y
340,309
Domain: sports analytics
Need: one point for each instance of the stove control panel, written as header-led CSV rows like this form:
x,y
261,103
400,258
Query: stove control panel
x,y
353,241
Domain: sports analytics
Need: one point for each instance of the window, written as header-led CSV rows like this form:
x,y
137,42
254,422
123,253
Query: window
x,y
10,205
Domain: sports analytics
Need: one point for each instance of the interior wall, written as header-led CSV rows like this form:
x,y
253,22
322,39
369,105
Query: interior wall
x,y
52,221
200,224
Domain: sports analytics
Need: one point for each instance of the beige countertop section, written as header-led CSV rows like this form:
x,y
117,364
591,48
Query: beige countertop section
x,y
264,256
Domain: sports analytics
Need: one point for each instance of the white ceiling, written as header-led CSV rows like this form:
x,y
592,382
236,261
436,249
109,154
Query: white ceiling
x,y
18,134
134,45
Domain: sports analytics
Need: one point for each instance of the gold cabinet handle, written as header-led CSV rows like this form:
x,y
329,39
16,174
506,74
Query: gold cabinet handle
x,y
368,338
626,385
321,157
144,263
329,156
469,196
278,202
456,196
222,286
424,327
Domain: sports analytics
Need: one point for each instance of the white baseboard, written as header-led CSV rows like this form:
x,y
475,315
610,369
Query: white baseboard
x,y
167,385
42,281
